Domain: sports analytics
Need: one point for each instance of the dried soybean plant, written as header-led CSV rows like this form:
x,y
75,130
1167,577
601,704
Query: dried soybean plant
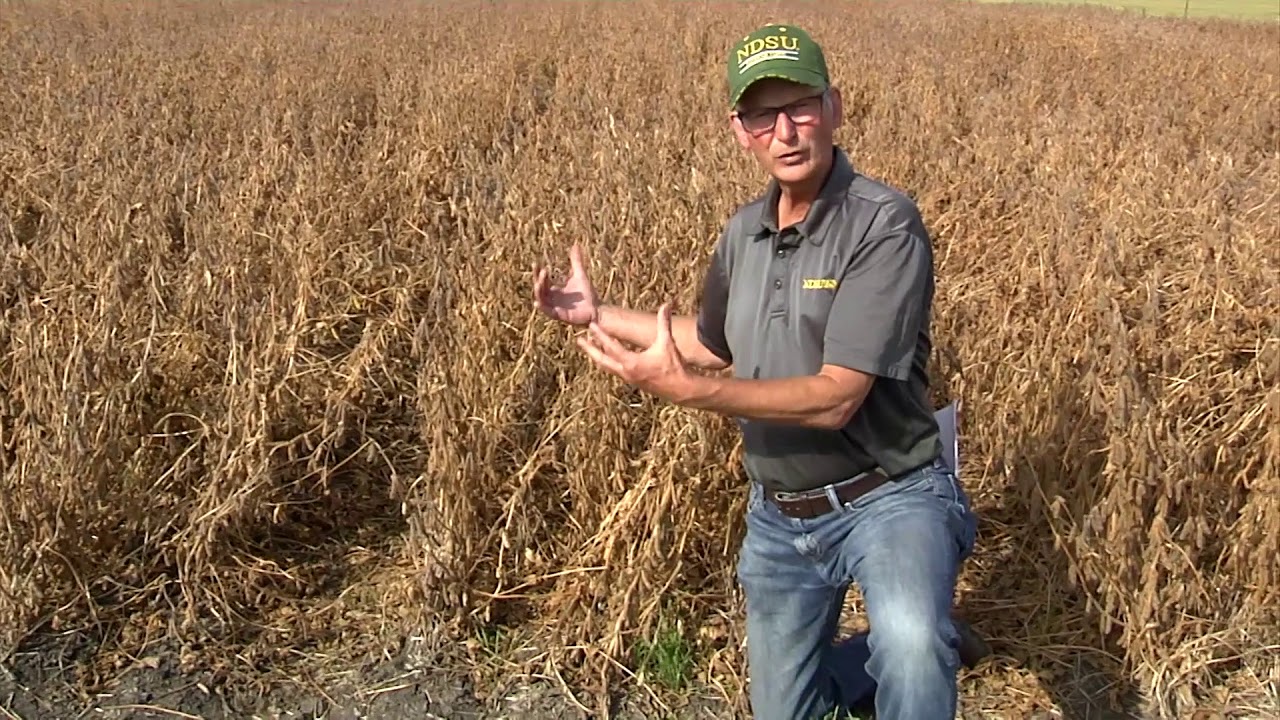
x,y
267,358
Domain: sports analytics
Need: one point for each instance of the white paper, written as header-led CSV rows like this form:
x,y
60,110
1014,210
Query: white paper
x,y
948,423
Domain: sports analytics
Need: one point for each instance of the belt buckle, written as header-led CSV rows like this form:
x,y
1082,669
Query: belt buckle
x,y
785,496
821,493
797,504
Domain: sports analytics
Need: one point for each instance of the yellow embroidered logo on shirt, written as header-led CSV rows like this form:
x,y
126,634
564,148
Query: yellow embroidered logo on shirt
x,y
820,283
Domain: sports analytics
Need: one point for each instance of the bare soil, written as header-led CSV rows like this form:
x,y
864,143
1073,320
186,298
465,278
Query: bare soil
x,y
47,681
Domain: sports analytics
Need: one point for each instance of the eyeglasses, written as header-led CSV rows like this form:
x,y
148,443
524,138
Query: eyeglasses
x,y
804,111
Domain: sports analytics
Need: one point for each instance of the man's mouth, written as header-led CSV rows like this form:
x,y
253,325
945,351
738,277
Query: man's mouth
x,y
792,156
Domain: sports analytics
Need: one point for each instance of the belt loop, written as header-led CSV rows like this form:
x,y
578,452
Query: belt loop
x,y
832,498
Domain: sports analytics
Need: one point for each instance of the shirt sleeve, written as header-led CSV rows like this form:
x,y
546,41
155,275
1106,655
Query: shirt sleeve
x,y
714,306
884,296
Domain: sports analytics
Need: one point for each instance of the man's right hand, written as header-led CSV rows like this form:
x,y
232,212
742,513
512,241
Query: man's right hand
x,y
573,302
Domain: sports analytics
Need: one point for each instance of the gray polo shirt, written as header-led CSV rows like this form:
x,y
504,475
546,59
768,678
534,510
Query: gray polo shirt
x,y
850,285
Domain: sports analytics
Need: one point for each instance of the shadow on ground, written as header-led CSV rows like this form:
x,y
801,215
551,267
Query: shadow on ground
x,y
1021,601
132,664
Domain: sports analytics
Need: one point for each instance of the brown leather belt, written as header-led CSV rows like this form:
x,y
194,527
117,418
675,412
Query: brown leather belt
x,y
813,503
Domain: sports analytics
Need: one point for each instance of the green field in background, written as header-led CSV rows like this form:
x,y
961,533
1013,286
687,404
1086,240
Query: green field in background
x,y
1235,9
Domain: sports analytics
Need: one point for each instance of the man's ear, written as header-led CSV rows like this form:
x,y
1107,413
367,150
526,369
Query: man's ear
x,y
837,107
744,138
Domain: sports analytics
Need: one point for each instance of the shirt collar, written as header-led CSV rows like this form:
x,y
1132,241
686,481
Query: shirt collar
x,y
828,200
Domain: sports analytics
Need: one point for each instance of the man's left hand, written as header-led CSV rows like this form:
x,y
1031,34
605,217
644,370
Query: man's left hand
x,y
659,369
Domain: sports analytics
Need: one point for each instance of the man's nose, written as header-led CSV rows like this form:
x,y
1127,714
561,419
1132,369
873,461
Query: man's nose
x,y
783,128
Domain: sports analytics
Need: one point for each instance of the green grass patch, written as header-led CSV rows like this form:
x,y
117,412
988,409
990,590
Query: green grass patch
x,y
666,658
1228,9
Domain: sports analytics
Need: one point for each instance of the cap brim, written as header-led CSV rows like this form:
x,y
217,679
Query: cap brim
x,y
787,72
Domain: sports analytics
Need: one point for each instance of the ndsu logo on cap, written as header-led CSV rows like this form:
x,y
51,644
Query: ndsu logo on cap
x,y
778,51
770,47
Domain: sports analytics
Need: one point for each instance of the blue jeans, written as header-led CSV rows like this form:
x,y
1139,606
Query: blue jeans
x,y
903,544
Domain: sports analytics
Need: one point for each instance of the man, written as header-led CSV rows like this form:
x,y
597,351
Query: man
x,y
819,297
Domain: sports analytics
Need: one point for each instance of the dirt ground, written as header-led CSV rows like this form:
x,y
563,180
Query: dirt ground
x,y
41,683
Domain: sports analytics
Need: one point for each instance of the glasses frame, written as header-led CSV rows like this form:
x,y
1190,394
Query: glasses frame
x,y
791,109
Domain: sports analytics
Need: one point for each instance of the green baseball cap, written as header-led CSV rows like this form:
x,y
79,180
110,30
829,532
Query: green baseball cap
x,y
777,51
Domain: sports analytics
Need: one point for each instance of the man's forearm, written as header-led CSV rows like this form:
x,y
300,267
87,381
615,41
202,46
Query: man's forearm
x,y
639,328
634,327
809,401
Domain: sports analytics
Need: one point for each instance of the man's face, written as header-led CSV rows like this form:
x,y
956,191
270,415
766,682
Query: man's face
x,y
788,127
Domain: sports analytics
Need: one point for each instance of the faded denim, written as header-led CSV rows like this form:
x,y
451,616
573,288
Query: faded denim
x,y
903,544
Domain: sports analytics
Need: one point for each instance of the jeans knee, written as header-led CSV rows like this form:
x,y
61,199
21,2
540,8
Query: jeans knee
x,y
914,643
914,662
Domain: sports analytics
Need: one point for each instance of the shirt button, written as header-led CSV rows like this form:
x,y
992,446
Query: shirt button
x,y
781,252
777,284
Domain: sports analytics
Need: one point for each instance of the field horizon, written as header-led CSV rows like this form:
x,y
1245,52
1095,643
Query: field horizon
x,y
281,433
1212,10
